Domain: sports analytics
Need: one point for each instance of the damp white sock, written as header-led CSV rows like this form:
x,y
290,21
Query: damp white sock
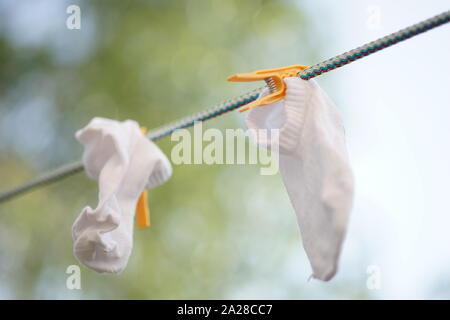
x,y
125,162
314,167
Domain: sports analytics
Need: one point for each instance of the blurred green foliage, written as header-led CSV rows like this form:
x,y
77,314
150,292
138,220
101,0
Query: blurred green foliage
x,y
217,231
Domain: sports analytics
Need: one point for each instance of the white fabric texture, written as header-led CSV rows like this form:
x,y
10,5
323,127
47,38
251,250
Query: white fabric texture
x,y
314,167
125,162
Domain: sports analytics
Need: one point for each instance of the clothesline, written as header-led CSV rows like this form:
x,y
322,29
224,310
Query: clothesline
x,y
233,104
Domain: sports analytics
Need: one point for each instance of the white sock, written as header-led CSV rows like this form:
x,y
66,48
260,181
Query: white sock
x,y
125,162
314,167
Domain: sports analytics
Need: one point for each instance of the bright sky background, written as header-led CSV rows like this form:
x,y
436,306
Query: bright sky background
x,y
396,110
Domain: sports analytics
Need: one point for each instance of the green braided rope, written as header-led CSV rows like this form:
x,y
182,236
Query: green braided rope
x,y
233,104
374,46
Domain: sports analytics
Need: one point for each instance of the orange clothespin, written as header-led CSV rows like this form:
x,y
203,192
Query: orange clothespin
x,y
273,78
142,209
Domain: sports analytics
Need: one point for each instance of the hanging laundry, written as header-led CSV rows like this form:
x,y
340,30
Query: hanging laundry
x,y
314,167
125,162
318,69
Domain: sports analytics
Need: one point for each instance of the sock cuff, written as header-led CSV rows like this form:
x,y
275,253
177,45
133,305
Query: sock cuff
x,y
295,106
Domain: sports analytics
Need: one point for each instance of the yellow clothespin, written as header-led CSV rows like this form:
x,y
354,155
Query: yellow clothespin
x,y
273,78
142,209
